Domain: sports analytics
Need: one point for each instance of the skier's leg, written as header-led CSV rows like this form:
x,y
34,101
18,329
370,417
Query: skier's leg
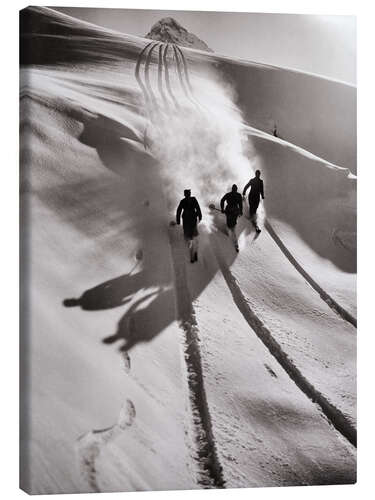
x,y
191,249
195,248
233,237
235,240
253,206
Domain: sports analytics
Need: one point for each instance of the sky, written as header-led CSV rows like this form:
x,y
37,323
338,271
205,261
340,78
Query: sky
x,y
324,45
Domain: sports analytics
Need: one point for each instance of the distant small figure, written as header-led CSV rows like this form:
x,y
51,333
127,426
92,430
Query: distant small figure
x,y
191,212
233,210
275,131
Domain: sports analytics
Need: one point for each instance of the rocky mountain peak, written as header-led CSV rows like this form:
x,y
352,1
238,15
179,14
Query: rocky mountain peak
x,y
171,31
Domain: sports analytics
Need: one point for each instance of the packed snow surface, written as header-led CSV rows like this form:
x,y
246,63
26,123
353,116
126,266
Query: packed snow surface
x,y
144,371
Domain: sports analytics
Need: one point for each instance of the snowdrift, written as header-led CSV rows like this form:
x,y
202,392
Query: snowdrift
x,y
315,113
145,372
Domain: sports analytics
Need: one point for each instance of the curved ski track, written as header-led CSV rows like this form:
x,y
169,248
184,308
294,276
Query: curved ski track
x,y
210,473
334,415
180,65
335,306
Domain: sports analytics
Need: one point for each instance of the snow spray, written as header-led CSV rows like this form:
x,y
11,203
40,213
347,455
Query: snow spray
x,y
198,138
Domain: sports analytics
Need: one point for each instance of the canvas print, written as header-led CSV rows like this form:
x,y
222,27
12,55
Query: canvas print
x,y
188,250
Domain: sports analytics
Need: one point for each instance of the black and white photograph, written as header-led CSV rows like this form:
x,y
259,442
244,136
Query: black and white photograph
x,y
188,249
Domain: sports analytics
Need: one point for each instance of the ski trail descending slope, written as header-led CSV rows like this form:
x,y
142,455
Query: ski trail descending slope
x,y
90,445
339,420
310,337
209,468
267,432
338,285
324,295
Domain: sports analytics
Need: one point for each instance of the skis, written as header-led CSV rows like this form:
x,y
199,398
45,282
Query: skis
x,y
257,228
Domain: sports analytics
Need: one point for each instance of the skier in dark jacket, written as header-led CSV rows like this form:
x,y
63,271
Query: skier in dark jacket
x,y
233,210
256,191
190,210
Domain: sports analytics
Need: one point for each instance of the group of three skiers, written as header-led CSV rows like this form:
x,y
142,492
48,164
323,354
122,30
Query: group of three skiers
x,y
190,210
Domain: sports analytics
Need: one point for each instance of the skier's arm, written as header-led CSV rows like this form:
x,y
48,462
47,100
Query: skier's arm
x,y
262,189
178,213
198,209
246,188
222,201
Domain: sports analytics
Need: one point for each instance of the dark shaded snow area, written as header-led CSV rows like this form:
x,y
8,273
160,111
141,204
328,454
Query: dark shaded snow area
x,y
147,372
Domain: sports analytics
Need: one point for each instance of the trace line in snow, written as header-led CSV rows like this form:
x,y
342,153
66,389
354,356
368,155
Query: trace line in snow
x,y
147,74
167,80
185,83
323,295
91,444
137,76
160,76
210,474
334,415
186,70
179,72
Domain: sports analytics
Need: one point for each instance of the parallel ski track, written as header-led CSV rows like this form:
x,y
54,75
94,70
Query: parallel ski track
x,y
162,48
188,323
153,99
210,473
184,76
181,70
137,73
186,70
167,79
333,414
335,306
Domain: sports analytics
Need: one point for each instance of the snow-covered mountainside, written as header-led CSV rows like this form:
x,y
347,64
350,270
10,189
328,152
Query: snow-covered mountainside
x,y
141,370
168,30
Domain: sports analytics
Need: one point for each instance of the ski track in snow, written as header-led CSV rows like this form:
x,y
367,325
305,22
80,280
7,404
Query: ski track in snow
x,y
187,318
331,302
137,70
334,415
323,294
147,75
167,80
181,69
210,474
90,445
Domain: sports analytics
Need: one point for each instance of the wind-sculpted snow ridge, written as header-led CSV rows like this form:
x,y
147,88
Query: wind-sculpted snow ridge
x,y
209,472
335,416
315,113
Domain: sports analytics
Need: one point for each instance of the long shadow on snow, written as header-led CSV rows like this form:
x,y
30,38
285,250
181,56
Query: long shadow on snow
x,y
113,201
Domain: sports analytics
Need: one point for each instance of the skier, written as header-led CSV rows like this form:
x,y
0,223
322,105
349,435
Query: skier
x,y
256,191
233,210
190,209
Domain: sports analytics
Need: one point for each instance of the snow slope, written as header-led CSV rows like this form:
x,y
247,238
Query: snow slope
x,y
144,371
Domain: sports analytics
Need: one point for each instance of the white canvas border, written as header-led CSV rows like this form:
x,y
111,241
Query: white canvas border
x,y
9,245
